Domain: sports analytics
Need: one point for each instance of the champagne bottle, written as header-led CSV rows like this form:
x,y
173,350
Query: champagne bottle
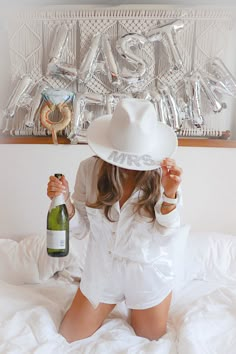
x,y
58,227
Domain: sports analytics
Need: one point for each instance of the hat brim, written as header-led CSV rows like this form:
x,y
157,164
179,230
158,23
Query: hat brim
x,y
99,141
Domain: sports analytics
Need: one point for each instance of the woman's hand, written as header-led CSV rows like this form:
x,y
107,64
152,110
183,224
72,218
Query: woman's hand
x,y
171,177
57,186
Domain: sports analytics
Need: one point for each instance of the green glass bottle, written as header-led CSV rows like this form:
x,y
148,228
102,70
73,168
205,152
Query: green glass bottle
x,y
58,227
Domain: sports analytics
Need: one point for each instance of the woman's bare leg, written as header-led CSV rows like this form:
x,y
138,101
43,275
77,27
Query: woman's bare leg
x,y
151,323
82,320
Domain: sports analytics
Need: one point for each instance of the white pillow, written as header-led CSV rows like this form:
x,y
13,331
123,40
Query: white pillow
x,y
211,256
27,261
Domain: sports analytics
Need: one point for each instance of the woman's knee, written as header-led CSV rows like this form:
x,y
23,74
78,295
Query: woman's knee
x,y
151,333
82,320
72,334
69,337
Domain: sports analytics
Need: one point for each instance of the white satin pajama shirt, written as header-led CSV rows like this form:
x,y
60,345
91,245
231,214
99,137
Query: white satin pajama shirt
x,y
127,259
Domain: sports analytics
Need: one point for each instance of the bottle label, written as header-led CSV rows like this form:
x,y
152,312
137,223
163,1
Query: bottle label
x,y
56,239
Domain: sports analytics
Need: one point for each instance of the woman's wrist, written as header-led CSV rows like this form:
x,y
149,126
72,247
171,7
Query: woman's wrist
x,y
171,195
169,201
169,198
166,208
67,198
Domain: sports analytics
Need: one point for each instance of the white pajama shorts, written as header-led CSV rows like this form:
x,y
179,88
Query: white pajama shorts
x,y
140,285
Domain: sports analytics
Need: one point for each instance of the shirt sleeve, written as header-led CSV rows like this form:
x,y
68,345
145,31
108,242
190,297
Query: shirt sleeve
x,y
79,224
169,221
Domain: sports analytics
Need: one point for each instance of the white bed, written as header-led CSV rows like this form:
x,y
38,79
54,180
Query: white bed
x,y
35,291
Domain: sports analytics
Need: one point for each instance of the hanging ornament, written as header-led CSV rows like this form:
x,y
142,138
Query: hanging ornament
x,y
59,100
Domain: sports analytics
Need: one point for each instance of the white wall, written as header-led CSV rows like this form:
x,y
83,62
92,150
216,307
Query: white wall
x,y
209,182
209,185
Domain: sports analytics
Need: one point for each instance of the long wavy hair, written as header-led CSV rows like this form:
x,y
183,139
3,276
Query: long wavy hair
x,y
110,189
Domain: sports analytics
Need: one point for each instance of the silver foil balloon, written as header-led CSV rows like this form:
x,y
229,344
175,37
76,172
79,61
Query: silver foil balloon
x,y
126,47
221,79
63,69
171,107
165,105
144,95
159,104
199,119
35,105
112,100
81,116
89,62
94,98
112,68
167,35
78,109
193,94
55,66
59,41
22,87
216,85
189,91
207,90
158,101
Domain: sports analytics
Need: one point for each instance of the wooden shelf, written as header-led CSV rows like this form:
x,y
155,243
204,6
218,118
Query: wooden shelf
x,y
198,142
32,140
194,142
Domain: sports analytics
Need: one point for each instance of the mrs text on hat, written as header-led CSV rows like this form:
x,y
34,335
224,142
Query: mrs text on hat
x,y
131,160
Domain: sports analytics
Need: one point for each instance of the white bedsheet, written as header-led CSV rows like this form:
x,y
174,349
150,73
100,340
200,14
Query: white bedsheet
x,y
202,321
202,316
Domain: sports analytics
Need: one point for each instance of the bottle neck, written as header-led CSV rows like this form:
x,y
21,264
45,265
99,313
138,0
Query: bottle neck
x,y
56,201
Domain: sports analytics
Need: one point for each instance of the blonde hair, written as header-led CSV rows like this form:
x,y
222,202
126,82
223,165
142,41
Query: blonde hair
x,y
110,189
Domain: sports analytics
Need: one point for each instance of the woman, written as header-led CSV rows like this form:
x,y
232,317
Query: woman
x,y
126,197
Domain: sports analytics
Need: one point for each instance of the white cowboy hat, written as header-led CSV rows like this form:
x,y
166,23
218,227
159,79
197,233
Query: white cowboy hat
x,y
132,137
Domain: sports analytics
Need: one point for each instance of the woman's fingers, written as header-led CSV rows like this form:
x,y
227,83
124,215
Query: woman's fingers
x,y
169,166
168,160
176,171
175,178
56,187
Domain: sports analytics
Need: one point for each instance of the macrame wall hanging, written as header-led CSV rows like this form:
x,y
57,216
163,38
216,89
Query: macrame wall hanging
x,y
71,64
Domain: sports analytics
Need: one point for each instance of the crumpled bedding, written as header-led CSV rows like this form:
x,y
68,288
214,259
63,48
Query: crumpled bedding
x,y
201,324
34,298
